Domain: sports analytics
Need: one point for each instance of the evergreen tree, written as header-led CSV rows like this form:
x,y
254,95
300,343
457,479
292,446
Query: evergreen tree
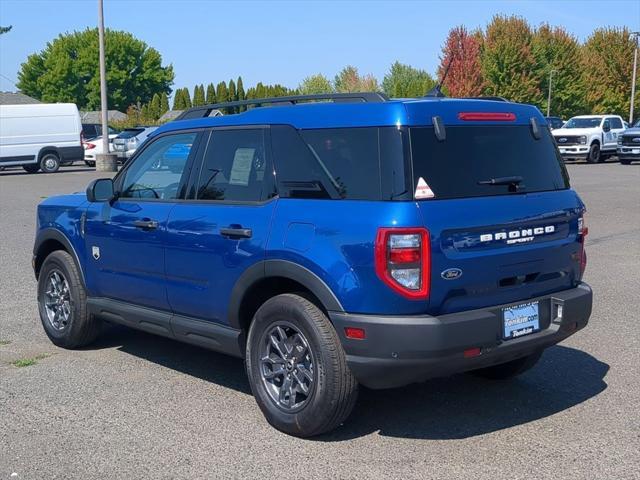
x,y
198,96
240,93
211,94
222,94
164,103
154,107
178,101
186,96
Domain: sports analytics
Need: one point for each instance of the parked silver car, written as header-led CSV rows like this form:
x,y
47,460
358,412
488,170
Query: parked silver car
x,y
127,141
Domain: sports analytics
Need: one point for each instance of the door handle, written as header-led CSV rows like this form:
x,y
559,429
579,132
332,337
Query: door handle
x,y
236,232
145,224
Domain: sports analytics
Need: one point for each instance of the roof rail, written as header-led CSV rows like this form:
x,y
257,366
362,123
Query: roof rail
x,y
362,97
495,99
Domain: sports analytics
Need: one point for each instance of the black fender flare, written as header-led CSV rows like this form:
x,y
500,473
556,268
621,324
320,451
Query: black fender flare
x,y
51,233
279,268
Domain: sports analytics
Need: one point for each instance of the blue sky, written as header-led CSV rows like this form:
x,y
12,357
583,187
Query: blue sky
x,y
282,42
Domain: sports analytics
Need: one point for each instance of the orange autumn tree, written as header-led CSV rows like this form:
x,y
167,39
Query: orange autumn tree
x,y
463,49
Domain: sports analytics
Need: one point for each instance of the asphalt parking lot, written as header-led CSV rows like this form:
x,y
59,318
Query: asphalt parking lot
x,y
138,406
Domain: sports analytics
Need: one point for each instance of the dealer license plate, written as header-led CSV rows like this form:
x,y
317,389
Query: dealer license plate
x,y
519,320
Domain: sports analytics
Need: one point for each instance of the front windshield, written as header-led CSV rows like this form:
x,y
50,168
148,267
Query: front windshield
x,y
588,122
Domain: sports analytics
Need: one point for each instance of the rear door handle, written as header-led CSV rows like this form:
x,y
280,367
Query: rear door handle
x,y
236,232
146,224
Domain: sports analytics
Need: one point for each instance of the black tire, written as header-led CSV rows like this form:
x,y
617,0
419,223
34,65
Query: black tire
x,y
624,161
334,390
90,163
81,328
50,162
594,153
31,168
505,371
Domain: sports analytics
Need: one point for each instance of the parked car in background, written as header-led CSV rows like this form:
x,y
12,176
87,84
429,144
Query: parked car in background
x,y
127,141
94,130
593,138
40,136
554,122
93,148
629,144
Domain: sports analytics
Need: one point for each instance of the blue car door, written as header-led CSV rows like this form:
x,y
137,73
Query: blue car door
x,y
221,230
125,237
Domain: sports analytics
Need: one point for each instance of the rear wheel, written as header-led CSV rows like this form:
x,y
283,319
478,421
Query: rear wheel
x,y
297,368
50,163
31,168
90,163
505,371
594,153
62,303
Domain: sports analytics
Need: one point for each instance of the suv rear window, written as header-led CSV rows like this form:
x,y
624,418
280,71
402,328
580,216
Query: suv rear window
x,y
130,132
470,154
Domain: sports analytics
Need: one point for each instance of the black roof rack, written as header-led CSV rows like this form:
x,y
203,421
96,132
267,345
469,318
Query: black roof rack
x,y
363,97
495,99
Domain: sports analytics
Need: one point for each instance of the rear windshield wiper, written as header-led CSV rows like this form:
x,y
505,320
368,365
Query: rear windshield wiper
x,y
515,180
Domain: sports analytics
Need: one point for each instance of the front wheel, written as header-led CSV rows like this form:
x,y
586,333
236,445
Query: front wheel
x,y
624,161
505,371
90,163
297,368
50,163
594,154
62,303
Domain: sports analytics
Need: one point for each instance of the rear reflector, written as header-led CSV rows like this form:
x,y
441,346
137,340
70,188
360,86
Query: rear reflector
x,y
487,116
355,333
472,352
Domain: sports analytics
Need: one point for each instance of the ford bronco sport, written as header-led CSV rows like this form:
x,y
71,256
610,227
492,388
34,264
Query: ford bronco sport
x,y
333,241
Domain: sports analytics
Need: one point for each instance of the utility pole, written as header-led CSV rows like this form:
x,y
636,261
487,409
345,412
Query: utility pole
x,y
549,94
105,162
633,76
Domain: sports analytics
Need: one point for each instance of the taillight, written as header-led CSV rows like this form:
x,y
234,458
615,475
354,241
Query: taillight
x,y
487,116
89,146
583,231
403,260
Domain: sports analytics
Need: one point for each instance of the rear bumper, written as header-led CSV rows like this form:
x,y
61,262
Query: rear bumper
x,y
401,350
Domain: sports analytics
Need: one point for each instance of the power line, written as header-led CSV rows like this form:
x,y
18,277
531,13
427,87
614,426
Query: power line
x,y
9,80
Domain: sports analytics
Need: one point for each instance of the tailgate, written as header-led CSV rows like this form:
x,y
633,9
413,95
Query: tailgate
x,y
501,249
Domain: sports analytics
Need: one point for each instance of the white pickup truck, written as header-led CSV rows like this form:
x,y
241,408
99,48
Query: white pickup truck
x,y
590,137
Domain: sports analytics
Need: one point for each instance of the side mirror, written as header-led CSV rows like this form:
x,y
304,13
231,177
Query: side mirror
x,y
606,127
100,190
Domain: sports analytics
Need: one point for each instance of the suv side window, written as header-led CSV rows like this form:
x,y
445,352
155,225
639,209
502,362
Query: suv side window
x,y
235,167
615,122
330,163
157,172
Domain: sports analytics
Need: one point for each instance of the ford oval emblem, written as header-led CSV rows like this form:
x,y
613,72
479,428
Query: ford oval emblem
x,y
636,139
451,273
562,140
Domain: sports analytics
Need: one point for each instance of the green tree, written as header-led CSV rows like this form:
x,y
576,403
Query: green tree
x,y
240,93
222,94
178,101
154,107
508,64
405,81
558,54
67,70
315,84
211,94
164,103
607,66
186,98
198,96
349,81
233,95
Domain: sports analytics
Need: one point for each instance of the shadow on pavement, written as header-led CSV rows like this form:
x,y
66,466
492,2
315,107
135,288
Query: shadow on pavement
x,y
456,407
20,171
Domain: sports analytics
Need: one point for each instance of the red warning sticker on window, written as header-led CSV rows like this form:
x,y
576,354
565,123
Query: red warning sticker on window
x,y
423,190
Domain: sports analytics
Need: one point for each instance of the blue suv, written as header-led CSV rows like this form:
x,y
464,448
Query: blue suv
x,y
334,241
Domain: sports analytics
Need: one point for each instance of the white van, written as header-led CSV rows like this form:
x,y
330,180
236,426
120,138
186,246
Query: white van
x,y
40,136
